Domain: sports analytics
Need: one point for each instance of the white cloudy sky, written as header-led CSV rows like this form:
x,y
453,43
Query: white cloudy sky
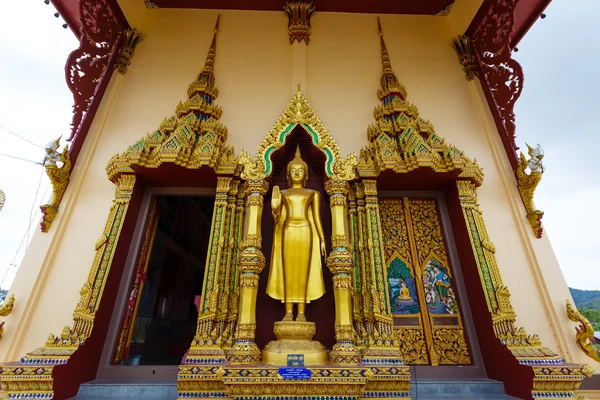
x,y
558,108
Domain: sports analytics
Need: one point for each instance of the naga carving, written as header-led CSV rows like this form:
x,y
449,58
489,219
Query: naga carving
x,y
527,183
59,178
5,311
585,333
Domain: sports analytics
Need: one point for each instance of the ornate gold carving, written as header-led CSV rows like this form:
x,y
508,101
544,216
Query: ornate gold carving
x,y
131,39
298,112
527,183
294,329
294,337
5,311
451,346
299,13
584,333
59,178
191,138
402,141
462,46
413,346
341,264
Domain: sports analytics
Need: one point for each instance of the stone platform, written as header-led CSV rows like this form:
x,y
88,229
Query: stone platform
x,y
243,382
427,389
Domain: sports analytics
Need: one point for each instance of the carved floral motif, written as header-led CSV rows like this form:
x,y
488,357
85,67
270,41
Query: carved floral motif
x,y
501,76
88,66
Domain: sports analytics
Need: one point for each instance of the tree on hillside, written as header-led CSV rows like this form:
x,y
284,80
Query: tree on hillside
x,y
593,316
586,299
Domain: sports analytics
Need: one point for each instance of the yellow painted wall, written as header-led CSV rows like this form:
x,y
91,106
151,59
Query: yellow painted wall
x,y
255,77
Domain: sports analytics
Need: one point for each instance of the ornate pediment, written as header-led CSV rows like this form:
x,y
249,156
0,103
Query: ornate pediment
x,y
191,138
298,112
401,141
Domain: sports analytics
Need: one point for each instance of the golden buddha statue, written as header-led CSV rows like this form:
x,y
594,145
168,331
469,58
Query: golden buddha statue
x,y
296,275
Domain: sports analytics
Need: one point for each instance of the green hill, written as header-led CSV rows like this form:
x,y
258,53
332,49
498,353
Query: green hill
x,y
586,299
588,303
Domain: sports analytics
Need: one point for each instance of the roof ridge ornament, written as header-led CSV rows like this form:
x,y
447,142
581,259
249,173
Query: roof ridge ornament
x,y
299,13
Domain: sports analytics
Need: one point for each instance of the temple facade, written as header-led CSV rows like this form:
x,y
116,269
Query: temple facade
x,y
150,275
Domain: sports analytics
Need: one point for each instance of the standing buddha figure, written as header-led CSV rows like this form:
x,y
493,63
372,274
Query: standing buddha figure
x,y
296,275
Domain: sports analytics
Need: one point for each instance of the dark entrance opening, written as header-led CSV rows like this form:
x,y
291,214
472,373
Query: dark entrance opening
x,y
165,321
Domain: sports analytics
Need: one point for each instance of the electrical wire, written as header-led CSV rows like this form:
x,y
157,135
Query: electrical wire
x,y
37,191
22,159
21,137
25,239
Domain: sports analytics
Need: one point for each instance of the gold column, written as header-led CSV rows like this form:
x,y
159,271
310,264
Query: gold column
x,y
228,262
251,263
207,343
341,266
361,250
383,347
234,283
357,307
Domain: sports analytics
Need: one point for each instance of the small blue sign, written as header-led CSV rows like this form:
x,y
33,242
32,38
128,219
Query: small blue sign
x,y
295,360
295,374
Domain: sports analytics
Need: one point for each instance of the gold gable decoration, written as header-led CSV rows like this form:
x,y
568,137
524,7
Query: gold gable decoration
x,y
401,141
298,112
191,138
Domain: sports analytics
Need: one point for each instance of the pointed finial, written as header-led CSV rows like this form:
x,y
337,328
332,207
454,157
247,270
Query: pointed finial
x,y
385,58
212,51
298,155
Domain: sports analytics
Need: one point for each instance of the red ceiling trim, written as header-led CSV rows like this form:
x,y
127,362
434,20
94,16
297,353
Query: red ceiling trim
x,y
69,11
429,7
526,14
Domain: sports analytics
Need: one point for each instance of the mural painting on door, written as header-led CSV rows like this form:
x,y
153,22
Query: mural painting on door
x,y
425,307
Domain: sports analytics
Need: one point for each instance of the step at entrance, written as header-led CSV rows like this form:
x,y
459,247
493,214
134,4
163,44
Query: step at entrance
x,y
104,390
423,389
457,389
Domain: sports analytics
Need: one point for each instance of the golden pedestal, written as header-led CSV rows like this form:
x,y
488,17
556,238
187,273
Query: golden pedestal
x,y
294,338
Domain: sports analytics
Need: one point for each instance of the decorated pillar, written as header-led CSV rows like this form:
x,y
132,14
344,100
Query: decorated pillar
x,y
228,262
234,277
382,345
340,264
251,263
552,378
357,308
360,248
207,343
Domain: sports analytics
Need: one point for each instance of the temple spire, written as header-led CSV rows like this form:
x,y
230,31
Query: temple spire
x,y
390,86
212,51
202,92
385,57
